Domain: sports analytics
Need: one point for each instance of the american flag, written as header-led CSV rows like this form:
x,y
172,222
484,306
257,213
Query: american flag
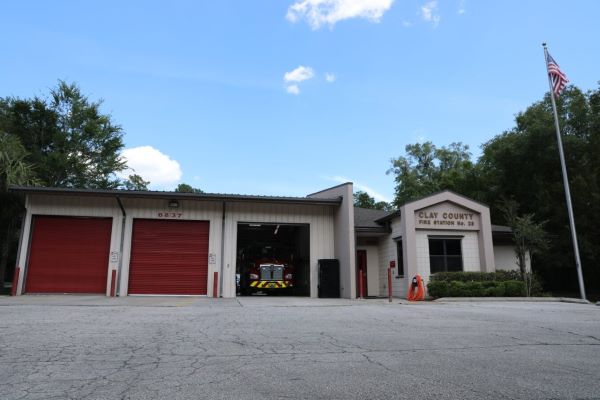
x,y
557,77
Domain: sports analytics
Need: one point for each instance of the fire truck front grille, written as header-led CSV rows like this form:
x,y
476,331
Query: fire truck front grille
x,y
271,272
265,273
277,273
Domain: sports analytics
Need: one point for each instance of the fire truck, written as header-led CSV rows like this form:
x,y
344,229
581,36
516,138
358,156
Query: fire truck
x,y
266,269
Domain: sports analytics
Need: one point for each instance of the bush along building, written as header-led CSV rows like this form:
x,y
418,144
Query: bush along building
x,y
120,243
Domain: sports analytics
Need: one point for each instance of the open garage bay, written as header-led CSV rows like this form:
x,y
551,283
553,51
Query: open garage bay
x,y
273,259
61,347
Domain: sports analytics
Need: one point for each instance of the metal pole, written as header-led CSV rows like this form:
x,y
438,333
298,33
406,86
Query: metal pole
x,y
390,288
565,182
220,276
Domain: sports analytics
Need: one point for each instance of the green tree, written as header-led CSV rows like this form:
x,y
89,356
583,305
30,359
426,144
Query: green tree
x,y
426,169
523,163
185,188
14,170
135,182
70,141
529,237
63,140
364,200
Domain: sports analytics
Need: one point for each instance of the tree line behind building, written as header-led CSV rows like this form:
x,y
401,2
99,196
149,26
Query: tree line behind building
x,y
65,140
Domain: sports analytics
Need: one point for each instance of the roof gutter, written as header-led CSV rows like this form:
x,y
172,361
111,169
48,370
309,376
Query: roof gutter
x,y
335,201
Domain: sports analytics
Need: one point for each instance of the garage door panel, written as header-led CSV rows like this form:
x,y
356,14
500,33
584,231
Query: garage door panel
x,y
169,257
68,255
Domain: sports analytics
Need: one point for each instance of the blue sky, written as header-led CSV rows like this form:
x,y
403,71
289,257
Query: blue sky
x,y
287,97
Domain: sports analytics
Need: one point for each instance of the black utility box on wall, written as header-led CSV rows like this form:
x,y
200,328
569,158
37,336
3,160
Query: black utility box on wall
x,y
329,278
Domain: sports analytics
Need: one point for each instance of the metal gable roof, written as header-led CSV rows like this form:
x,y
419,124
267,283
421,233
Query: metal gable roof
x,y
174,195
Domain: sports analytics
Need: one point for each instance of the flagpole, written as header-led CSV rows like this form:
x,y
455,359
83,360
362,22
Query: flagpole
x,y
565,182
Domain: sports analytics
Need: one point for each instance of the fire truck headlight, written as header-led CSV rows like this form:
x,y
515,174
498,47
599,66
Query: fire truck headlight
x,y
289,277
253,277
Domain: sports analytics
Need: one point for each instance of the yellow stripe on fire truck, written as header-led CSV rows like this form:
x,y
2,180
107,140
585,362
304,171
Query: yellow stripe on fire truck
x,y
269,284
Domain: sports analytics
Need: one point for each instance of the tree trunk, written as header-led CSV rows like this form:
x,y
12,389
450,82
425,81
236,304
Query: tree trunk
x,y
521,258
521,254
522,265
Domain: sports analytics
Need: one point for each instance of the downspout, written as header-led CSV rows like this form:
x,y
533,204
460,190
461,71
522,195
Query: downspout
x,y
122,244
222,251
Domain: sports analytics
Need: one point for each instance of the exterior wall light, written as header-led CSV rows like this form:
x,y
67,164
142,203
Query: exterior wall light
x,y
173,204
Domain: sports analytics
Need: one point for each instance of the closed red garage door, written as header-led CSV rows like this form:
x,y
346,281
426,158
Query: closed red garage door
x,y
68,255
168,257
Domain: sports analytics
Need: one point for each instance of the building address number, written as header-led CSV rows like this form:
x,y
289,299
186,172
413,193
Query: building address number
x,y
170,214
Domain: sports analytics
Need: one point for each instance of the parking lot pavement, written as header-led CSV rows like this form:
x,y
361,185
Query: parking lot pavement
x,y
87,347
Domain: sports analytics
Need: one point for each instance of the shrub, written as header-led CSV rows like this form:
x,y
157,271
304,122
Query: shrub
x,y
508,275
460,276
499,276
474,289
456,289
537,288
489,284
438,289
479,284
514,288
496,290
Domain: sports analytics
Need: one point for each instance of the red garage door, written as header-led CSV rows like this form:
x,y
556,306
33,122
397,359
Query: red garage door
x,y
68,255
168,257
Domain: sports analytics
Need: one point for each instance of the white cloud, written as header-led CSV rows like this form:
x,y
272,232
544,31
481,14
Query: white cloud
x,y
296,76
373,193
429,12
293,89
162,171
330,77
320,12
299,74
406,24
462,7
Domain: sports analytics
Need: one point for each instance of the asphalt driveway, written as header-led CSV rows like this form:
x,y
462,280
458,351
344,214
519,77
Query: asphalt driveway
x,y
87,347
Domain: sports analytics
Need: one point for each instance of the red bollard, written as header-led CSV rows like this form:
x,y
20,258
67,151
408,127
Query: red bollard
x,y
113,283
15,282
215,284
390,292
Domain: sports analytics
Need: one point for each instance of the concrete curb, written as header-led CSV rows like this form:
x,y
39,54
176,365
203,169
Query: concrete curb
x,y
512,299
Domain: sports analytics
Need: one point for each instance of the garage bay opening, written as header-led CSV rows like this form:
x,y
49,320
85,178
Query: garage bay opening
x,y
273,259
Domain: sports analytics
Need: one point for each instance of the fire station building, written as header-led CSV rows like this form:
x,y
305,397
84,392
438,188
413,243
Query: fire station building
x,y
119,242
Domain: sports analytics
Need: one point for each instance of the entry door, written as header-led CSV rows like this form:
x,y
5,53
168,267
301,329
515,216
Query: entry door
x,y
361,273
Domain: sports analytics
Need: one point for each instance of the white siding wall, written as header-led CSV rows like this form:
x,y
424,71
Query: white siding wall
x,y
320,219
344,236
387,253
373,267
470,251
506,258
